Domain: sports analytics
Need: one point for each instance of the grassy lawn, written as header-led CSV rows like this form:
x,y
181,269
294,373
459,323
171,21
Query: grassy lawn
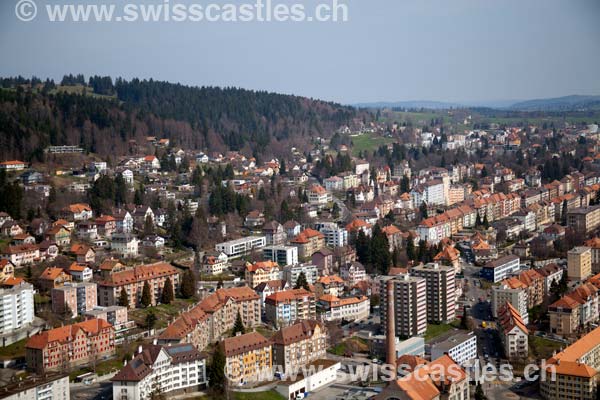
x,y
16,349
338,349
164,312
434,330
368,142
269,395
102,368
543,348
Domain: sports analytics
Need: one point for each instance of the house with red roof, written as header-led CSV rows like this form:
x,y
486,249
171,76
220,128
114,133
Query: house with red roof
x,y
70,346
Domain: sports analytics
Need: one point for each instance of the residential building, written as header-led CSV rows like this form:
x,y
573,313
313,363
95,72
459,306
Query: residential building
x,y
335,236
210,319
52,386
516,296
584,220
260,272
551,273
16,303
440,291
241,247
78,212
132,281
575,311
274,232
291,273
59,235
21,255
324,260
353,273
53,277
282,255
74,298
513,331
267,288
594,244
169,370
410,304
115,315
579,263
299,344
316,375
124,245
329,284
214,263
248,358
576,370
317,195
461,347
347,309
285,307
499,269
69,346
308,241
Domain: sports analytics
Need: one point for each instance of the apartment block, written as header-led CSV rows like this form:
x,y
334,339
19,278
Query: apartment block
x,y
348,308
291,273
171,370
75,297
16,303
282,255
499,269
285,307
410,304
248,359
517,297
132,281
584,219
462,347
440,291
513,331
69,346
241,247
576,369
262,271
52,386
299,344
579,266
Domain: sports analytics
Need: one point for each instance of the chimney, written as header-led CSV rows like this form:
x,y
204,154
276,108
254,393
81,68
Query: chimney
x,y
140,349
391,329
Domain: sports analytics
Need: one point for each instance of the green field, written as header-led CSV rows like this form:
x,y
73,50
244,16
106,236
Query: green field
x,y
368,142
435,330
543,348
16,349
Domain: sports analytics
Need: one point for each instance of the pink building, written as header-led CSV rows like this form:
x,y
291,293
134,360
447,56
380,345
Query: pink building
x,y
78,297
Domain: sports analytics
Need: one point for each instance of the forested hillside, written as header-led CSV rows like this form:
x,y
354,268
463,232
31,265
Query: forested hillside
x,y
107,118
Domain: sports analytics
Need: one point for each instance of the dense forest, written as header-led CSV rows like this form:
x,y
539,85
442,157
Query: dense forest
x,y
109,118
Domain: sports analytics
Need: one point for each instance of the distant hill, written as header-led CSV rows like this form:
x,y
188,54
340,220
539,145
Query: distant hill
x,y
432,105
109,118
566,103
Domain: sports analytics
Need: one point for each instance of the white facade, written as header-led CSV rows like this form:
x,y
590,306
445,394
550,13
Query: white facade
x,y
165,376
334,235
353,273
240,247
348,309
318,374
516,343
282,255
124,245
461,347
16,307
291,273
56,388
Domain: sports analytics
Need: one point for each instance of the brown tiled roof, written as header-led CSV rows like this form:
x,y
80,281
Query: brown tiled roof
x,y
295,333
140,273
241,344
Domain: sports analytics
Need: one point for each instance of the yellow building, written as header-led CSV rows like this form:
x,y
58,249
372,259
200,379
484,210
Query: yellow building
x,y
580,263
248,358
260,272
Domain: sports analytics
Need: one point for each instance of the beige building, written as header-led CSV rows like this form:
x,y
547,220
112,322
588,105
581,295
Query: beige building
x,y
260,272
285,307
410,304
579,263
513,332
584,219
208,321
299,344
576,370
440,285
132,281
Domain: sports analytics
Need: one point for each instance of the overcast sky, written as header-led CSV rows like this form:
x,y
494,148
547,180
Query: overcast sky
x,y
390,50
